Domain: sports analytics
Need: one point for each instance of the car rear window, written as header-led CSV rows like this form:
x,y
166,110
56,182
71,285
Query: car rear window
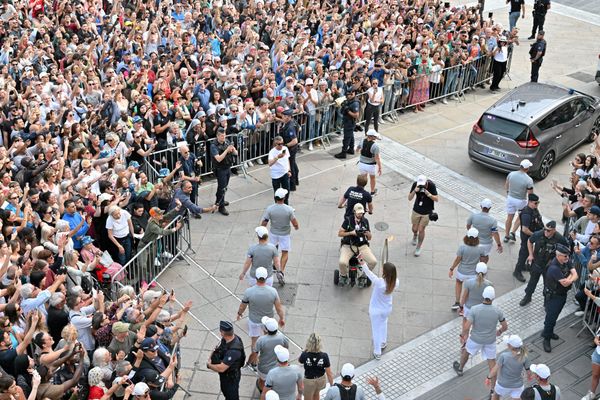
x,y
502,127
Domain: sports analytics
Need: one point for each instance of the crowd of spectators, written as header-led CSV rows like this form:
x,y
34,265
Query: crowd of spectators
x,y
91,90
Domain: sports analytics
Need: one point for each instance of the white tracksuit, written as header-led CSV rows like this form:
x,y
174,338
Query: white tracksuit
x,y
380,308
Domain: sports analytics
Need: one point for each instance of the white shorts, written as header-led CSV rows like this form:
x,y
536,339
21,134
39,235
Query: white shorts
x,y
488,351
462,277
252,281
513,393
513,205
369,169
283,241
255,330
486,249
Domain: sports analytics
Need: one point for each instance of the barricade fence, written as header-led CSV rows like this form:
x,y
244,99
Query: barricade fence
x,y
152,259
317,125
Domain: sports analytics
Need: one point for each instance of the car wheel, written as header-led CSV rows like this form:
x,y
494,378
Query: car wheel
x,y
595,131
546,165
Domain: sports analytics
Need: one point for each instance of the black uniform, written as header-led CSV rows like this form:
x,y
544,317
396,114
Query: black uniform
x,y
543,252
532,220
231,354
221,169
538,46
290,132
540,8
555,294
349,124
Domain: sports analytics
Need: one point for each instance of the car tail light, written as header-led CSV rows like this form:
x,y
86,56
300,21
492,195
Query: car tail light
x,y
531,141
477,128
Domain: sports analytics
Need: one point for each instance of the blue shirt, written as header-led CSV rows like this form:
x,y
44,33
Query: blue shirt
x,y
73,221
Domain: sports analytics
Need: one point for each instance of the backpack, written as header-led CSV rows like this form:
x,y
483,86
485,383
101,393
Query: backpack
x,y
545,395
347,393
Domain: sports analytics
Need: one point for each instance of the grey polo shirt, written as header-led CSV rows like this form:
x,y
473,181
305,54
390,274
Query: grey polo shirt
x,y
260,300
280,216
484,319
262,256
265,347
284,381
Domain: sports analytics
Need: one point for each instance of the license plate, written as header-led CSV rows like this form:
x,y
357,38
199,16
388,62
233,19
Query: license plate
x,y
495,153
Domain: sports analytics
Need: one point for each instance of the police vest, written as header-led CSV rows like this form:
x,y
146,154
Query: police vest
x,y
235,344
365,151
536,219
554,287
545,250
227,161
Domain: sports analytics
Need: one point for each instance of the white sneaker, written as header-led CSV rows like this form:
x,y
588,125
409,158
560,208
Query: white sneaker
x,y
157,262
310,146
166,254
579,313
383,345
260,162
455,97
444,101
377,356
415,240
250,164
417,252
588,396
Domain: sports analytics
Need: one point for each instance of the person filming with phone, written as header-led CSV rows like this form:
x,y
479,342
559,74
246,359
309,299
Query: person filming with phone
x,y
279,165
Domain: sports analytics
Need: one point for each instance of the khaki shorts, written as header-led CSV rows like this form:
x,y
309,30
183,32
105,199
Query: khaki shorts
x,y
419,219
313,386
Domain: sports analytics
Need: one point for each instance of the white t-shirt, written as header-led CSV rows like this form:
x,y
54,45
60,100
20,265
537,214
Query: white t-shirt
x,y
120,227
282,165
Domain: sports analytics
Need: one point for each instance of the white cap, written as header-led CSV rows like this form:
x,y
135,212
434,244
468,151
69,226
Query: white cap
x,y
261,273
526,164
486,203
489,293
261,231
308,81
271,395
540,370
421,180
373,132
140,389
283,354
514,341
269,323
281,193
358,208
347,370
481,267
473,232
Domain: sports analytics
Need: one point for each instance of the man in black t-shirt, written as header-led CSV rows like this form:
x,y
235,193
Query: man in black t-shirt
x,y
425,194
162,122
517,8
356,194
540,8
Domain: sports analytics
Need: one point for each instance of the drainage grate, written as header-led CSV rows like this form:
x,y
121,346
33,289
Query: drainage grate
x,y
287,293
582,76
381,226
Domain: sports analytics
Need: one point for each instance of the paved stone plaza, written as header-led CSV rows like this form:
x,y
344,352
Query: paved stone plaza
x,y
434,142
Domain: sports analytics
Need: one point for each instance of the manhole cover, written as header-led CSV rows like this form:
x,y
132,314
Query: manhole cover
x,y
582,76
381,226
287,293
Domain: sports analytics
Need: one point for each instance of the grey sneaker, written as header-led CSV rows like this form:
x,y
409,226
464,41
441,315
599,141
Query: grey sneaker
x,y
280,277
377,356
457,369
415,240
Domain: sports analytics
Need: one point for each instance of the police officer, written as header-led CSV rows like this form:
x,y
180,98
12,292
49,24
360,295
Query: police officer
x,y
222,153
540,8
541,246
531,221
536,55
350,110
356,194
559,278
289,133
228,359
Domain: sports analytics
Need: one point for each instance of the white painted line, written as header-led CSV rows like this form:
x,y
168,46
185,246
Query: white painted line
x,y
575,13
439,133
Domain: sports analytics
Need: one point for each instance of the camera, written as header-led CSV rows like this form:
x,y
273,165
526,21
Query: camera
x,y
421,189
61,270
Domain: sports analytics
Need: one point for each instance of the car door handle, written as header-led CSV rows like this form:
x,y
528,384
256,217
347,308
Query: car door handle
x,y
559,136
578,125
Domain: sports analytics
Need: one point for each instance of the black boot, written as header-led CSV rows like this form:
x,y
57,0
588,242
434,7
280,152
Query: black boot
x,y
519,276
223,210
341,155
547,345
525,300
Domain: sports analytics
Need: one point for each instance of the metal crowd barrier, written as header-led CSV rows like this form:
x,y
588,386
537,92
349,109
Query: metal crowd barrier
x,y
254,144
153,259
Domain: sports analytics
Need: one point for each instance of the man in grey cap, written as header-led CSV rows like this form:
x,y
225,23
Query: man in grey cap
x,y
541,247
487,227
558,280
281,217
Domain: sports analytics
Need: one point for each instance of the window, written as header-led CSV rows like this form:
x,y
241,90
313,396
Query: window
x,y
501,126
561,115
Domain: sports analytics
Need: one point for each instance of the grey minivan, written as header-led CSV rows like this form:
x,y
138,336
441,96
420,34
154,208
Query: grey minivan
x,y
537,121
